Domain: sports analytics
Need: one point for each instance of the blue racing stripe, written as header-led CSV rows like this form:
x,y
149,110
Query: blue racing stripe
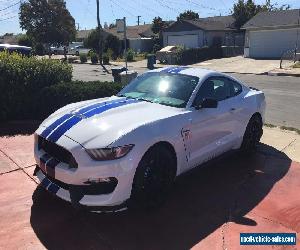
x,y
104,108
177,70
90,107
166,70
65,117
59,121
45,183
53,188
63,128
173,70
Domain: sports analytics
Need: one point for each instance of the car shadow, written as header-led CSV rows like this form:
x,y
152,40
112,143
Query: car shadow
x,y
202,200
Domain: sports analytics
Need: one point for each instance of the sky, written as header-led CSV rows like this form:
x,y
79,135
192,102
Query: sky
x,y
84,11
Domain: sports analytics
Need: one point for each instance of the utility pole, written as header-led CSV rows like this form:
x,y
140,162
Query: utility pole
x,y
138,22
100,37
125,44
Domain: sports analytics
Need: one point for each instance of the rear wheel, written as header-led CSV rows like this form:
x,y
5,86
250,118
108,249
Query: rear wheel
x,y
252,134
154,178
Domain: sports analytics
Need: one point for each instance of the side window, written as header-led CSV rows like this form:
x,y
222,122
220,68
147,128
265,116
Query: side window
x,y
217,88
236,88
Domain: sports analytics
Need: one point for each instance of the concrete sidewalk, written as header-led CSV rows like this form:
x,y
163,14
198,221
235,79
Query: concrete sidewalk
x,y
207,209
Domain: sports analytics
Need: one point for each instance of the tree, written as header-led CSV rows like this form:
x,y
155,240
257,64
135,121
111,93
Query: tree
x,y
92,41
110,42
188,15
25,40
158,25
243,10
112,25
47,21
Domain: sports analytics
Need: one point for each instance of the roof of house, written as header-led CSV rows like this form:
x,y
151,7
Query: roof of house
x,y
273,19
132,32
208,23
11,39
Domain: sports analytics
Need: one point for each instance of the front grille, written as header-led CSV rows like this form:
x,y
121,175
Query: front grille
x,y
92,189
57,152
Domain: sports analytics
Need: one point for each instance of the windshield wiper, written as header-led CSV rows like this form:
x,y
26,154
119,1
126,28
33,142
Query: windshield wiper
x,y
143,99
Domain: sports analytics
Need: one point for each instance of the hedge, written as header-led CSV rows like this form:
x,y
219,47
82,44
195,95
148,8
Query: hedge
x,y
56,96
33,89
21,79
195,55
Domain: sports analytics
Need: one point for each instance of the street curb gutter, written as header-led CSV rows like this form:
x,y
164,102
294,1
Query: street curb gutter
x,y
270,73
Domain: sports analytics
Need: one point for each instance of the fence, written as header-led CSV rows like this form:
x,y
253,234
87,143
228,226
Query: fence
x,y
289,58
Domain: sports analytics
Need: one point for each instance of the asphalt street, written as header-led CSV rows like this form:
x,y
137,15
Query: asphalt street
x,y
282,96
282,92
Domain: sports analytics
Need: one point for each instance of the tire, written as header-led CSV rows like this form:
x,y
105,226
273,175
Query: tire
x,y
252,134
77,53
153,179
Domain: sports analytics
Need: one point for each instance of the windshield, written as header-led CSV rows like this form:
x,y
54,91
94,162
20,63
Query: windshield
x,y
167,89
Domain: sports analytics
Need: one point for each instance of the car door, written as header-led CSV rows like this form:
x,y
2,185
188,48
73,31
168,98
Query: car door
x,y
211,129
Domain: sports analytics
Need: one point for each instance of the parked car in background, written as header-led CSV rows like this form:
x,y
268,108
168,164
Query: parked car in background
x,y
77,50
126,150
57,50
23,50
167,55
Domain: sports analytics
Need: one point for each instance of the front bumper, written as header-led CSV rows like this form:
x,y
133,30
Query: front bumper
x,y
75,193
72,184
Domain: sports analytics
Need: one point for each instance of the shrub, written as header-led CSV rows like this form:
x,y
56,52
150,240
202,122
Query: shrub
x,y
71,59
83,58
56,96
21,78
105,59
130,55
156,47
39,49
94,58
195,55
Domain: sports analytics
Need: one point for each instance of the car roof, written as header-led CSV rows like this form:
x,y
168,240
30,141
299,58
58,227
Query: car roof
x,y
192,71
10,46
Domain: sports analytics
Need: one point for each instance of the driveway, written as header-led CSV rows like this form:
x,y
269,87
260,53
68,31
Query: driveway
x,y
240,65
207,209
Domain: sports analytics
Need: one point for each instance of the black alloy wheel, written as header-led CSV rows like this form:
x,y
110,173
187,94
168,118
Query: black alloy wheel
x,y
154,178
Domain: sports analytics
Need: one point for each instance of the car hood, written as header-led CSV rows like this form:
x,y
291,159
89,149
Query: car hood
x,y
98,123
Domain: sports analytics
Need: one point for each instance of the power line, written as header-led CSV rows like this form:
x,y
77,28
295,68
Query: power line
x,y
112,10
11,6
121,7
1,20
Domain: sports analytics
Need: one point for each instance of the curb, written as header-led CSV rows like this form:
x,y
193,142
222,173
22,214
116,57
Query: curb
x,y
270,73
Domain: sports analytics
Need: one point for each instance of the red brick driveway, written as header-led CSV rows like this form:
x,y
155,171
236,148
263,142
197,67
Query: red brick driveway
x,y
208,208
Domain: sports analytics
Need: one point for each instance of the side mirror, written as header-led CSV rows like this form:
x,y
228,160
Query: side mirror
x,y
208,103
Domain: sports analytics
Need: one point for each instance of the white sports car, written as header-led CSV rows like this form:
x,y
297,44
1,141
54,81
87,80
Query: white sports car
x,y
126,150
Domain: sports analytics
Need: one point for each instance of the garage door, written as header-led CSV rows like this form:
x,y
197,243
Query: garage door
x,y
188,41
271,44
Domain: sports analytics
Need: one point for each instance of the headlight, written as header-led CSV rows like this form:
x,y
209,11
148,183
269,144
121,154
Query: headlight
x,y
106,154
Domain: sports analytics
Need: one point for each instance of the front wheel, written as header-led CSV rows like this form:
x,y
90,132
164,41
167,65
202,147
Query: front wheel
x,y
154,178
252,134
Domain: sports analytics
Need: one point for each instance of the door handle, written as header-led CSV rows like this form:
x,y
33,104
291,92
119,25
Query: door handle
x,y
232,109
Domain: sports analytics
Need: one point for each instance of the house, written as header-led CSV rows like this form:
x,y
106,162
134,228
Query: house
x,y
270,34
139,37
218,30
9,38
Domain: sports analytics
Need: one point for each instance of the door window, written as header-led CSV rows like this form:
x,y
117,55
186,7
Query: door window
x,y
217,88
